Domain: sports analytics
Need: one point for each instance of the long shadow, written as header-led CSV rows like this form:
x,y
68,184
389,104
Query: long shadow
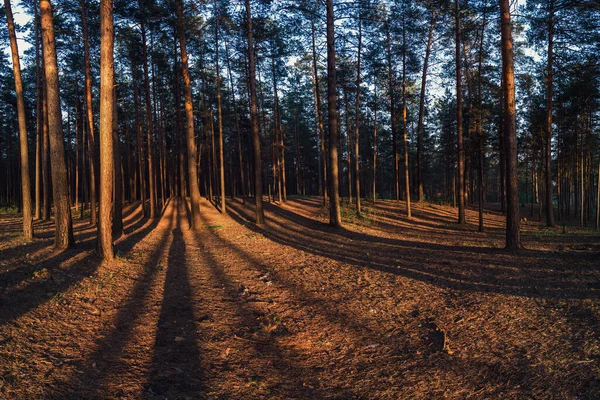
x,y
55,280
95,372
176,371
500,376
534,273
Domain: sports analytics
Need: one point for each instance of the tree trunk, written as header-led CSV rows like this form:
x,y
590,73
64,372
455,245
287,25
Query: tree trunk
x,y
39,121
237,128
24,152
357,122
392,113
422,108
196,222
549,91
374,187
459,122
319,116
513,240
105,243
258,189
151,181
335,216
219,120
404,138
63,237
93,148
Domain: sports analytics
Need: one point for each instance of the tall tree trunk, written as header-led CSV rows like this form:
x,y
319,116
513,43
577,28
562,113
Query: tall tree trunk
x,y
24,152
219,118
47,200
404,134
258,189
149,143
237,128
549,92
374,187
459,122
105,243
63,237
513,239
39,121
422,108
480,121
177,92
335,216
392,112
318,115
357,122
196,222
93,148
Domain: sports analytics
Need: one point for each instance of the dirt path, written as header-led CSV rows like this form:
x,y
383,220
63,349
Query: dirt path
x,y
385,308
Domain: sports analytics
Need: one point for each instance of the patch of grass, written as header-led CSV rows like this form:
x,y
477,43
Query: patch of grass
x,y
9,209
214,227
546,232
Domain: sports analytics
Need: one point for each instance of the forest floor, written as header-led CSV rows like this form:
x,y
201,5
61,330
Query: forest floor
x,y
385,308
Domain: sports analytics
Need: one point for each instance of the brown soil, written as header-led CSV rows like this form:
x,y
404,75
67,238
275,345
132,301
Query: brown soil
x,y
383,309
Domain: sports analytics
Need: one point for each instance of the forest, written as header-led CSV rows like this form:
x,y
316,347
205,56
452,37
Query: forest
x,y
316,199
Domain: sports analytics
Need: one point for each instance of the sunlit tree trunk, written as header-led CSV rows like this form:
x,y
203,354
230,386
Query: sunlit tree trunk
x,y
335,216
105,243
39,121
24,152
196,222
513,240
258,189
63,237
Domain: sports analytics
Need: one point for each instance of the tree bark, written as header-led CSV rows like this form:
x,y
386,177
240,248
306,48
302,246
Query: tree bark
x,y
63,237
513,239
105,243
258,189
39,121
196,222
24,152
335,216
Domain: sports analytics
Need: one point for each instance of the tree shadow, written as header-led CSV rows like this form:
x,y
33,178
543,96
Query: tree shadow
x,y
103,366
532,273
32,284
176,370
